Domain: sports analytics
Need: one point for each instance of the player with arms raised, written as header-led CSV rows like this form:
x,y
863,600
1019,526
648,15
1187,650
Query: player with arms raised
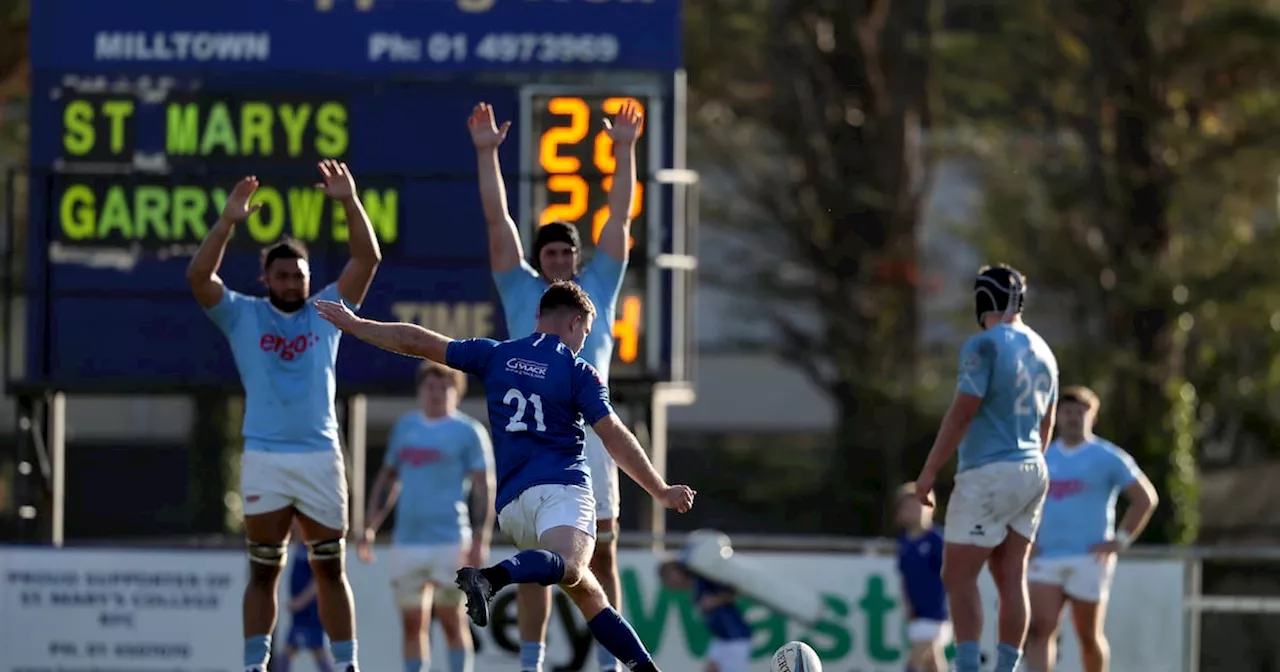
x,y
539,394
436,458
292,464
520,284
1075,554
1000,421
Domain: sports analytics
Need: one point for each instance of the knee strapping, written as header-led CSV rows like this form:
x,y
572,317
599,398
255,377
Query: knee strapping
x,y
605,536
329,549
273,555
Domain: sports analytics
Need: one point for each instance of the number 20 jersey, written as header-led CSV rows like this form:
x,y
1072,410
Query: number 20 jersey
x,y
1015,373
539,395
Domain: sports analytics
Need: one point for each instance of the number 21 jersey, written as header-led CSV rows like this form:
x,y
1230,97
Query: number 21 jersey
x,y
539,395
1015,373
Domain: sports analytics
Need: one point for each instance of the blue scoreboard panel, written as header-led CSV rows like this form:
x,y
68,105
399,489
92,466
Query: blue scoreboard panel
x,y
145,112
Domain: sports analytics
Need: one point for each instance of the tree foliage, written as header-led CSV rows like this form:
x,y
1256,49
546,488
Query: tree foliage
x,y
811,112
1129,168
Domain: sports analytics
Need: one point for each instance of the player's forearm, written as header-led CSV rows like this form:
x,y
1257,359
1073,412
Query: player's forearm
x,y
381,501
362,242
402,338
482,526
623,192
493,190
631,458
947,442
1138,515
208,257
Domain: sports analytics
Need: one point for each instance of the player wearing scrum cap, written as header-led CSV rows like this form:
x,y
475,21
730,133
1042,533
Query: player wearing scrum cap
x,y
1075,553
521,284
1000,423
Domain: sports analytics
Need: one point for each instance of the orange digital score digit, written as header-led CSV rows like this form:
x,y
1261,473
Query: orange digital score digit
x,y
626,329
563,169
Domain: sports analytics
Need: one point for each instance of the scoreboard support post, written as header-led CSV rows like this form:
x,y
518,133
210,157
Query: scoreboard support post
x,y
357,465
41,460
58,464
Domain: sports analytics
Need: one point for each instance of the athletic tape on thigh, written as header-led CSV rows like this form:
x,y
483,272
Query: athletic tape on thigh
x,y
326,550
274,555
605,536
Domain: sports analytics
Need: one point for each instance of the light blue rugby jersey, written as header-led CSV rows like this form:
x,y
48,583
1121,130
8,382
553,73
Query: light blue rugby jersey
x,y
286,363
521,289
1016,374
1084,482
435,459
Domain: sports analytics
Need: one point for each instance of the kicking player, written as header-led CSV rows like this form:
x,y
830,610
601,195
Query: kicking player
x,y
925,599
292,464
539,394
1075,555
1000,421
435,456
305,631
520,285
730,648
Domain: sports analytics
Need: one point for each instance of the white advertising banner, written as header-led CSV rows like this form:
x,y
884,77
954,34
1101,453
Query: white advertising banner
x,y
179,611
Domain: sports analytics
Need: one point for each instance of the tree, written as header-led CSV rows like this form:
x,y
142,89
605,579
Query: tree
x,y
828,100
1128,171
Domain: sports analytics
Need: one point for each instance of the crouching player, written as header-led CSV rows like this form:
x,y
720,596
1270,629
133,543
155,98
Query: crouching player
x,y
730,649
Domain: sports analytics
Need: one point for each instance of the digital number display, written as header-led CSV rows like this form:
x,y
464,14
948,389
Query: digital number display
x,y
574,170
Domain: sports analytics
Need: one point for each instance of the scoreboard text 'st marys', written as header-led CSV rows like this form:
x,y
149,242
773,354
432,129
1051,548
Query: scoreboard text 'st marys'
x,y
145,112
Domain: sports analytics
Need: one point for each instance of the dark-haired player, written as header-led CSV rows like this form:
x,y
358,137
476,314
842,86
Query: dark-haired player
x,y
520,284
539,394
292,464
1075,553
1000,422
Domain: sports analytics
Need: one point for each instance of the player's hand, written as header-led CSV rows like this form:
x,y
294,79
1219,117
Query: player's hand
x,y
485,133
1105,550
478,554
678,497
337,182
338,314
626,126
924,489
365,548
237,208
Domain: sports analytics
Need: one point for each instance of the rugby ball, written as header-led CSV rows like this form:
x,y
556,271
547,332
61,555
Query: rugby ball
x,y
795,657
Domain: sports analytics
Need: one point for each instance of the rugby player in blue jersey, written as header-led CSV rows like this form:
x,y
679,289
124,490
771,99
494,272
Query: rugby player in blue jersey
x,y
521,284
539,395
437,459
1000,422
1074,558
292,465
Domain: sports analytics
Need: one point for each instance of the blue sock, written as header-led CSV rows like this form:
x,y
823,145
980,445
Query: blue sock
x,y
1007,658
257,650
412,665
541,567
968,657
344,654
531,656
616,635
608,662
459,660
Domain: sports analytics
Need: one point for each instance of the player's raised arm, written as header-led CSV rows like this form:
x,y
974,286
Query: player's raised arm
x,y
339,184
505,250
202,272
399,337
615,238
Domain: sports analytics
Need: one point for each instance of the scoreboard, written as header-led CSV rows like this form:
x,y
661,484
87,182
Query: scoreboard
x,y
145,112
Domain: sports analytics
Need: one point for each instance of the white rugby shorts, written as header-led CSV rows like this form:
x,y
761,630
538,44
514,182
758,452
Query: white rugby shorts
x,y
414,567
927,631
1081,577
543,507
604,478
313,483
730,655
990,500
